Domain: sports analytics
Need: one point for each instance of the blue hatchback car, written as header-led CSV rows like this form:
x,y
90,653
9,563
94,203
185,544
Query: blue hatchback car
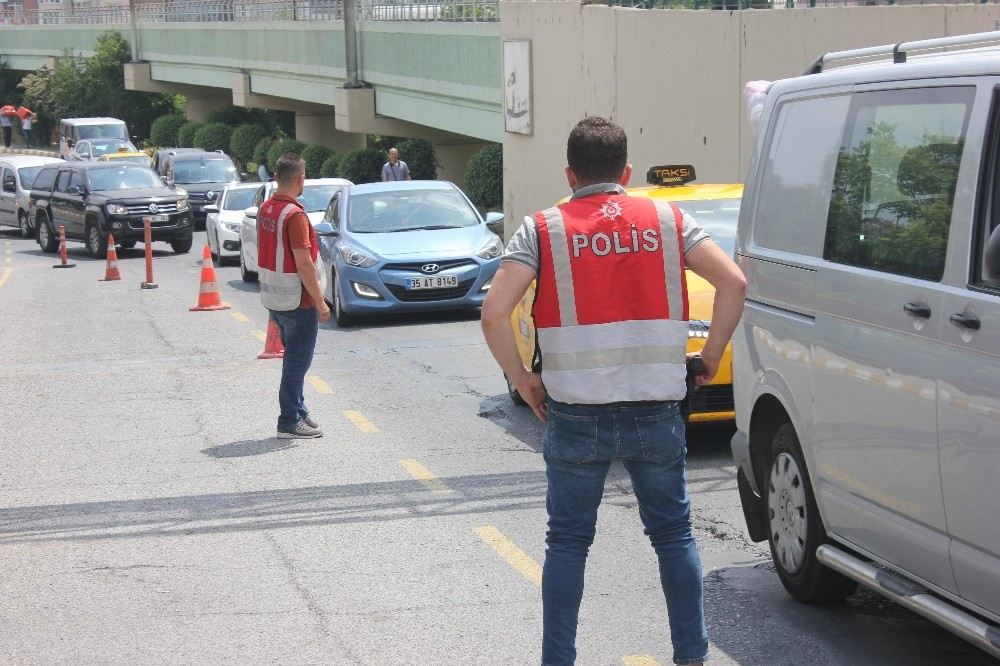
x,y
406,246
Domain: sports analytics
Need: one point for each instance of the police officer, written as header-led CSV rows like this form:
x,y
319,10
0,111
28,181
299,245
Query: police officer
x,y
611,319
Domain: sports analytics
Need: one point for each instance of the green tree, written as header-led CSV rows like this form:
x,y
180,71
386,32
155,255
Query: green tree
x,y
261,149
484,177
275,122
315,156
420,157
331,166
362,166
282,147
163,132
244,139
213,136
185,135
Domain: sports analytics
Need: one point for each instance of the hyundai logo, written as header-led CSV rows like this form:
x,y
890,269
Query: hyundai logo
x,y
153,208
430,268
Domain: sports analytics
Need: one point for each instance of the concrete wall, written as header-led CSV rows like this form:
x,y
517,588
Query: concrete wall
x,y
673,78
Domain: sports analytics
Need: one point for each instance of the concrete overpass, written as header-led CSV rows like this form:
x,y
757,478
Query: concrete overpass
x,y
438,80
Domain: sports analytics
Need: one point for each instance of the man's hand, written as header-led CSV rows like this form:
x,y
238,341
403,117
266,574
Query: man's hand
x,y
710,366
533,391
324,312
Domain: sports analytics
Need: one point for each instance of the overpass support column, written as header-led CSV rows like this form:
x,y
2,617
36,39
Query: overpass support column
x,y
454,158
199,106
319,128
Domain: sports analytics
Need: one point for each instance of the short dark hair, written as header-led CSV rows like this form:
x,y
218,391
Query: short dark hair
x,y
597,151
288,168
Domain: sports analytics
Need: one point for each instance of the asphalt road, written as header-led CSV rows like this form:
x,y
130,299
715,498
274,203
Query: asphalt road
x,y
148,516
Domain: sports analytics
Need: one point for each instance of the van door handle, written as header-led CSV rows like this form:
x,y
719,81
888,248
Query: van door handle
x,y
968,321
918,310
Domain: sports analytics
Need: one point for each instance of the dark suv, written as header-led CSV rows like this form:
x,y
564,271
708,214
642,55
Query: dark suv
x,y
93,199
203,175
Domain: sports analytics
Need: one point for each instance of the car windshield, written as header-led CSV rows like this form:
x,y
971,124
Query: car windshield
x,y
113,131
315,198
239,199
409,210
27,176
190,172
115,145
123,178
718,217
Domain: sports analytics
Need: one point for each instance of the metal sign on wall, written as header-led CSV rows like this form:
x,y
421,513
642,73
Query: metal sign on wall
x,y
517,86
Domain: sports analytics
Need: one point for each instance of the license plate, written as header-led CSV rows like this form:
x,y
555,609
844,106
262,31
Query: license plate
x,y
432,282
160,218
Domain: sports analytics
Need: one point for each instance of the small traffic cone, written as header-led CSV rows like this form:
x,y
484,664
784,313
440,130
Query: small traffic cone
x,y
63,252
209,297
111,272
273,347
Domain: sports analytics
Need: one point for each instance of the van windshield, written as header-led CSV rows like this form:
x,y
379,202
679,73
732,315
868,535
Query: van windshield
x,y
190,172
718,217
112,131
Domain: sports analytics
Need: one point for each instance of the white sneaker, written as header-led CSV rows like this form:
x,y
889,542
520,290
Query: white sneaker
x,y
301,430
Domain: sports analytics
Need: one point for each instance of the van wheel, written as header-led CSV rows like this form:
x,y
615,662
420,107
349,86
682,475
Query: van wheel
x,y
513,393
23,224
43,234
97,243
795,529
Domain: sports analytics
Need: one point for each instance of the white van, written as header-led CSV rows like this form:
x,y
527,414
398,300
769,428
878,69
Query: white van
x,y
866,369
72,130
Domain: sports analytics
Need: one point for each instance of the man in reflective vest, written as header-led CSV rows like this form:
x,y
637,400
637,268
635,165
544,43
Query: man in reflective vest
x,y
287,249
611,315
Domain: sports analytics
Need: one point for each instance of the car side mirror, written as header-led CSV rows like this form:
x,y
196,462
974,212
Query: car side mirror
x,y
9,187
70,143
251,212
74,190
991,256
211,208
326,229
494,222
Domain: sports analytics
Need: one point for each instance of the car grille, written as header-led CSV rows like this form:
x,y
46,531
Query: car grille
x,y
450,293
143,209
415,266
713,399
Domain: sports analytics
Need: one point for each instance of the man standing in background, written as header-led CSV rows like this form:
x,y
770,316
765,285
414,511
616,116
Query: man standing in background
x,y
395,168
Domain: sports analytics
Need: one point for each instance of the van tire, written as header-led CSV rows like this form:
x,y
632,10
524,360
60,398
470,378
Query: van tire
x,y
795,529
43,234
23,224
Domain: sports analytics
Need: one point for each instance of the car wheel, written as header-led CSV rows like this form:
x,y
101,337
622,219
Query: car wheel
x,y
342,318
513,393
97,243
127,245
23,224
43,234
795,529
182,245
247,275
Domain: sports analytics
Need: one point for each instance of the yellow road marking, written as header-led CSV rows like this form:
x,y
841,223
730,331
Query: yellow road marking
x,y
239,316
260,335
639,660
319,385
425,476
6,274
509,551
359,421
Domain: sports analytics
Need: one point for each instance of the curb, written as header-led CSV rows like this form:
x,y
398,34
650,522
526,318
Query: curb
x,y
28,151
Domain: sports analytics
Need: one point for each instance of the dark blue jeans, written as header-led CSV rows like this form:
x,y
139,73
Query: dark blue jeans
x,y
579,443
298,330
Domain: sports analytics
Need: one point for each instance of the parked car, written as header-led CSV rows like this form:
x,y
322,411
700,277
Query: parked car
x,y
866,366
93,199
222,225
203,176
73,130
125,155
406,246
164,156
316,194
716,207
17,173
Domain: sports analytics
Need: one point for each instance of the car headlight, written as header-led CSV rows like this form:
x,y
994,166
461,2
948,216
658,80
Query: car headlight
x,y
355,257
232,226
698,328
492,249
182,205
117,209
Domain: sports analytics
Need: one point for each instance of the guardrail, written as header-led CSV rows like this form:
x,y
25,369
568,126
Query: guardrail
x,y
779,4
257,11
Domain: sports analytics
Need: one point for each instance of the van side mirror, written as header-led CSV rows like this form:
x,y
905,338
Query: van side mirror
x,y
9,186
251,212
991,257
494,222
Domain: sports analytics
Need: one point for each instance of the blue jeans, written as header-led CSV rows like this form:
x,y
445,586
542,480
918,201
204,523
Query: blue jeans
x,y
298,329
27,136
579,443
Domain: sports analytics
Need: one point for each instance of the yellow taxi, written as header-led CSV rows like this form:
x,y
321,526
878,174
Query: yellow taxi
x,y
716,208
128,156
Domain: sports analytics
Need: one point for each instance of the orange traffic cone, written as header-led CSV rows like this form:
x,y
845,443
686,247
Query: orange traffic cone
x,y
208,294
273,348
63,252
111,272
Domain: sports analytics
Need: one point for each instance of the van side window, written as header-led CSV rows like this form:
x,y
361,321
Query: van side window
x,y
895,181
9,185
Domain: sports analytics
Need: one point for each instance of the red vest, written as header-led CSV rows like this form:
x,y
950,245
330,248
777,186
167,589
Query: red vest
x,y
611,301
280,286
